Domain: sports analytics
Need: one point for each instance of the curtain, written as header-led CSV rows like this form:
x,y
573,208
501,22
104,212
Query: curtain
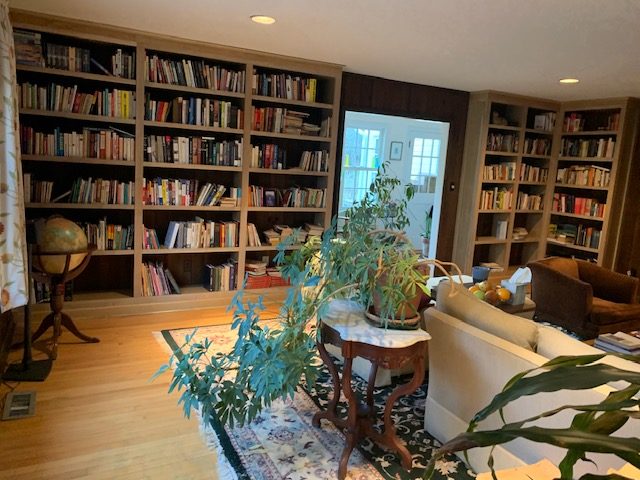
x,y
13,275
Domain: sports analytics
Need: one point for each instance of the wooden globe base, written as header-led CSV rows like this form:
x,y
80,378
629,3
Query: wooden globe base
x,y
57,319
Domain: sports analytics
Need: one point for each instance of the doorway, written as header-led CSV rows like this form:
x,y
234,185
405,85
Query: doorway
x,y
416,151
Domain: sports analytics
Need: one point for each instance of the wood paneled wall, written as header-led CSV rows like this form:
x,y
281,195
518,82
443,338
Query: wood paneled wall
x,y
364,93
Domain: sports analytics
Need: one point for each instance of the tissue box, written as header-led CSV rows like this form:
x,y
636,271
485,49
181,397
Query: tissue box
x,y
517,291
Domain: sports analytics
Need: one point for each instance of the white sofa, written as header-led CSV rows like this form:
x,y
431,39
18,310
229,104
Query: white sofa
x,y
475,349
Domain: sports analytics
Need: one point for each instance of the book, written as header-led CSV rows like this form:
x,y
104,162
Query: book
x,y
627,343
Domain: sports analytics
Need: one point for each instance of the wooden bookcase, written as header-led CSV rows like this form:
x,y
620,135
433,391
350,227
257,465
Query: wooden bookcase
x,y
572,173
112,282
506,166
595,140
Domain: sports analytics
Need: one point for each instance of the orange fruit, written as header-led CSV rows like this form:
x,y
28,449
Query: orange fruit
x,y
503,294
474,288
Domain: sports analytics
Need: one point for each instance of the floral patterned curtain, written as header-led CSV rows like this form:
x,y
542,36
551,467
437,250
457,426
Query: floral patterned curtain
x,y
13,275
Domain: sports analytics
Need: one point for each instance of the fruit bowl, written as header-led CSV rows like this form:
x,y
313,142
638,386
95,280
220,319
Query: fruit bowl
x,y
490,293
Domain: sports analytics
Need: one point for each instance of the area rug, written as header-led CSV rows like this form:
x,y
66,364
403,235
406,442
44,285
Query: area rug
x,y
282,444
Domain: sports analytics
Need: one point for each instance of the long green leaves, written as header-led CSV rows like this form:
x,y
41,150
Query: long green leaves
x,y
592,428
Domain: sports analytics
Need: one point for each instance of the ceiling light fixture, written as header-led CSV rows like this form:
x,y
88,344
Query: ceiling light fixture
x,y
569,80
263,19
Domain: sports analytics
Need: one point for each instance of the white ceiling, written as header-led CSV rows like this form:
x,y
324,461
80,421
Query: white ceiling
x,y
514,46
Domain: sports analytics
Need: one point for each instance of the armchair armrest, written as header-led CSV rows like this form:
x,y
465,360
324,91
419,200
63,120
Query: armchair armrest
x,y
607,284
559,295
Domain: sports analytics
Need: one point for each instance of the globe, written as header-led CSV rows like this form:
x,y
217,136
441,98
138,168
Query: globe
x,y
60,235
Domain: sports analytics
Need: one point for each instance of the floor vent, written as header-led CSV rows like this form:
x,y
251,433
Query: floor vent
x,y
19,405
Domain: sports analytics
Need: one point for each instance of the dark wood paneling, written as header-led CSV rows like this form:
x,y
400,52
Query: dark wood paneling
x,y
363,93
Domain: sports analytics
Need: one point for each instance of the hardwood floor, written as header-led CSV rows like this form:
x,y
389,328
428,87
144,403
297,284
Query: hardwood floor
x,y
98,415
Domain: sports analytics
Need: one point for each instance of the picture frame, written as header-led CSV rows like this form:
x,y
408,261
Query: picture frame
x,y
395,151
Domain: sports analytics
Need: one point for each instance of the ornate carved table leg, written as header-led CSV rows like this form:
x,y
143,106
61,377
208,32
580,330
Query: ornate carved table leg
x,y
331,413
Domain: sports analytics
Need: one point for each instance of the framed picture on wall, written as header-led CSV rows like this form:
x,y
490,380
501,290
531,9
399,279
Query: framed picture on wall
x,y
395,152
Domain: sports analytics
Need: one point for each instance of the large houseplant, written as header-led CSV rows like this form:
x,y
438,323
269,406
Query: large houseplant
x,y
269,361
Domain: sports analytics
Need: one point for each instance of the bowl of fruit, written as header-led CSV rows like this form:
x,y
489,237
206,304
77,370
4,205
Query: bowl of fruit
x,y
490,293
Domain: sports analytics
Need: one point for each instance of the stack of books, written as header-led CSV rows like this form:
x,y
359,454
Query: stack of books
x,y
157,280
313,231
256,274
619,342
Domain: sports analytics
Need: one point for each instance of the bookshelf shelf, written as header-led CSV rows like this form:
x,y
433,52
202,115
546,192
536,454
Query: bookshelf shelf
x,y
191,166
125,291
540,184
173,251
603,133
195,90
538,131
80,206
581,187
77,160
501,154
304,138
539,212
571,246
191,128
111,253
284,101
490,240
500,182
504,127
574,215
540,157
77,116
495,211
271,248
526,240
585,159
193,208
79,75
288,171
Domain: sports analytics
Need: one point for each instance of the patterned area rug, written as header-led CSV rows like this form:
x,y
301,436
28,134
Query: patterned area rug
x,y
282,444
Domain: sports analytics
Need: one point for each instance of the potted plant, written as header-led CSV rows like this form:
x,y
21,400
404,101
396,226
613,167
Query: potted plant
x,y
592,429
367,260
425,236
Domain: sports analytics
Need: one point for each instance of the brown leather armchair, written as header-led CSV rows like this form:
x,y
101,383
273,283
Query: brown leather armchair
x,y
583,297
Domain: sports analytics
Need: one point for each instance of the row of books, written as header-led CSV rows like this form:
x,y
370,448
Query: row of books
x,y
108,144
41,292
619,342
109,236
580,235
269,155
193,73
112,192
583,148
201,233
528,201
278,233
258,275
283,120
565,203
496,199
192,150
31,50
220,278
157,280
531,173
286,197
206,112
575,122
545,121
591,176
284,85
537,146
39,191
499,171
58,98
186,192
502,142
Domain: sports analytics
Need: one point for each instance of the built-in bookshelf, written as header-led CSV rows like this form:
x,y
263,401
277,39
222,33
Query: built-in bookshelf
x,y
592,167
507,164
546,178
164,151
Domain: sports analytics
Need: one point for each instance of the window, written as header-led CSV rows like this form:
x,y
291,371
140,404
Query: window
x,y
424,163
361,157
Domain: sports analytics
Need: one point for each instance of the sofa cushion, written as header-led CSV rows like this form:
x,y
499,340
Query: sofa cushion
x,y
605,312
464,306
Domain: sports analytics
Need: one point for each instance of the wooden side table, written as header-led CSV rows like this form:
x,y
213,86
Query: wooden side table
x,y
346,329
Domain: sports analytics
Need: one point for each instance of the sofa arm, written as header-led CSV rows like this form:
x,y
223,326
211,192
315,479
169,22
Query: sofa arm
x,y
607,284
560,296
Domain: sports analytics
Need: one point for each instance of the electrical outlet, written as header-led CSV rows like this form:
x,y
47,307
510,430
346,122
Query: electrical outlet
x,y
186,266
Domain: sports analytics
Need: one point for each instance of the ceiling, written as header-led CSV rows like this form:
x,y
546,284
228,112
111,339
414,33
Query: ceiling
x,y
514,46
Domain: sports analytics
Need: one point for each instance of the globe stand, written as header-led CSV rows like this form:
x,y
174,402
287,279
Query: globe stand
x,y
57,319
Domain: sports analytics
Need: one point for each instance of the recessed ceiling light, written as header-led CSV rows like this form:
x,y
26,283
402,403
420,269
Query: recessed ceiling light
x,y
569,80
263,19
